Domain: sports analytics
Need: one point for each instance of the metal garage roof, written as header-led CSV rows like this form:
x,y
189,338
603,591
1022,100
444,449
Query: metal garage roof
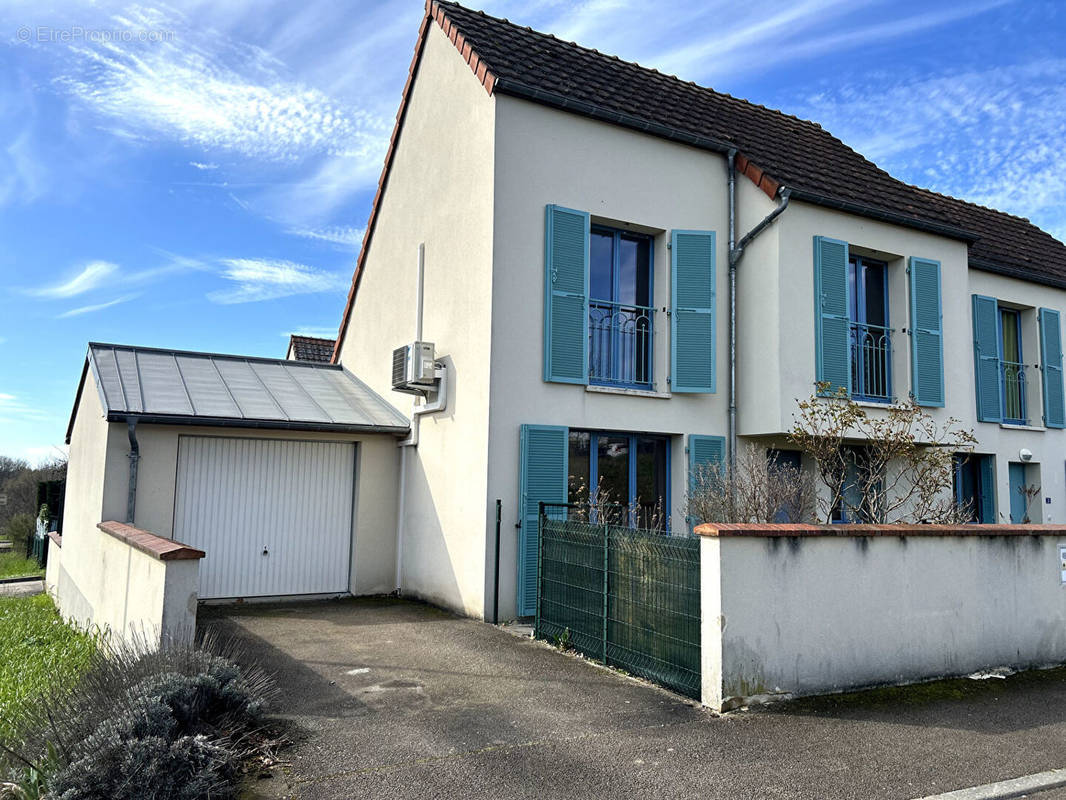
x,y
180,387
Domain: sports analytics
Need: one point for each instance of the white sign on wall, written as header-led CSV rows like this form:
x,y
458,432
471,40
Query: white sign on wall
x,y
1062,561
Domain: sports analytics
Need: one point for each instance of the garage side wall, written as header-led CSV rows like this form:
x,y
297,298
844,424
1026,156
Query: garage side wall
x,y
74,569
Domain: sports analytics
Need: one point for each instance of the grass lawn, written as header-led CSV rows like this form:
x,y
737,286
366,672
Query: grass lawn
x,y
14,565
37,651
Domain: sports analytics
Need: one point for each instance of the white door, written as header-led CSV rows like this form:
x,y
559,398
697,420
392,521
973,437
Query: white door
x,y
274,516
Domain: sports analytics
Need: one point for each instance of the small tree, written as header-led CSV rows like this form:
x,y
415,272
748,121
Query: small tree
x,y
900,469
759,489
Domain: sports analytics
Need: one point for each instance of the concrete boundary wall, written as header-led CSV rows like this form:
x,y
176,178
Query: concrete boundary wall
x,y
138,586
791,610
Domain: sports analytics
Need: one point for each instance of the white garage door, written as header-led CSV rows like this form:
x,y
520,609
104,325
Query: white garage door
x,y
273,516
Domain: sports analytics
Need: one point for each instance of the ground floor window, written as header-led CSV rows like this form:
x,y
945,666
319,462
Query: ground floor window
x,y
791,462
861,489
627,472
975,487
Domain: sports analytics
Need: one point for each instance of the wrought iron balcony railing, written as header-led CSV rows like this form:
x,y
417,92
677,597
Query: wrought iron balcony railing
x,y
620,344
1013,385
871,362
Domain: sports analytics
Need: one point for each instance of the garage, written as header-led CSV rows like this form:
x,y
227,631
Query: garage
x,y
282,473
274,516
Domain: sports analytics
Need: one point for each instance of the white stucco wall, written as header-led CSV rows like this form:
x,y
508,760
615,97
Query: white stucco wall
x,y
624,179
440,193
821,614
90,468
776,361
131,594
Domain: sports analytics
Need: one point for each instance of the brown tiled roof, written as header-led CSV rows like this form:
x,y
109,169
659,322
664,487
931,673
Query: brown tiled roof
x,y
774,150
786,150
311,348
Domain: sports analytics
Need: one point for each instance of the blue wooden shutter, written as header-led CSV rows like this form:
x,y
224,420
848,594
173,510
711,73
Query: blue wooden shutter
x,y
543,479
692,335
1051,368
566,295
986,358
927,341
703,451
832,339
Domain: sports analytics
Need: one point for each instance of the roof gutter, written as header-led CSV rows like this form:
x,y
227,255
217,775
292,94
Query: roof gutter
x,y
886,216
516,89
1015,272
229,422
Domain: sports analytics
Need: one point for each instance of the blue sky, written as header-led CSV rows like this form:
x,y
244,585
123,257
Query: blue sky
x,y
197,175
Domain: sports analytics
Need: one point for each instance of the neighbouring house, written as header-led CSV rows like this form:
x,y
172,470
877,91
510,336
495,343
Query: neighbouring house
x,y
310,348
570,232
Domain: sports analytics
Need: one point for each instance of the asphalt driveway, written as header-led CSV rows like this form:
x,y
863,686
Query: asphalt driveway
x,y
394,699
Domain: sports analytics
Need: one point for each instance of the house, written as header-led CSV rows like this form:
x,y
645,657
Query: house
x,y
310,348
615,277
578,278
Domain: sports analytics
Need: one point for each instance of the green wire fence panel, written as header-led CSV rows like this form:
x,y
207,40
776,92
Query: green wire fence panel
x,y
627,597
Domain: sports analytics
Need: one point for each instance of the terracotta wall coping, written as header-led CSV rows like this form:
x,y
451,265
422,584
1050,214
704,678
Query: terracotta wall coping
x,y
155,546
57,540
793,530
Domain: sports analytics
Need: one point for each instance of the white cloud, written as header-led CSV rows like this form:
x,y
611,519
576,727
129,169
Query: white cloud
x,y
12,408
267,279
346,236
316,331
202,166
990,136
75,312
206,90
92,276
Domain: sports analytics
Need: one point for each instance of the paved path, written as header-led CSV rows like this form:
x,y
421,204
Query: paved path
x,y
400,700
21,588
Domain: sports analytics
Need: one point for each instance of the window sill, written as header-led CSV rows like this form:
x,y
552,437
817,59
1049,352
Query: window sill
x,y
884,406
623,391
1009,427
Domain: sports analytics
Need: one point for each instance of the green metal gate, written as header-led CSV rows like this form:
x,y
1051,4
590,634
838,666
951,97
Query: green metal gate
x,y
627,597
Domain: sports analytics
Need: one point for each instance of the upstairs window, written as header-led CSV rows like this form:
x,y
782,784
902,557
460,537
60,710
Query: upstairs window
x,y
870,336
621,315
1012,383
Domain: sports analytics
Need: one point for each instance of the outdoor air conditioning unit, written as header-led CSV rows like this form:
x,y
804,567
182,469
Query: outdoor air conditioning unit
x,y
414,368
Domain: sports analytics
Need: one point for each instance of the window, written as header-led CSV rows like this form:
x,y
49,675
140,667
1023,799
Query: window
x,y
871,352
975,487
1012,381
861,489
620,308
790,462
625,471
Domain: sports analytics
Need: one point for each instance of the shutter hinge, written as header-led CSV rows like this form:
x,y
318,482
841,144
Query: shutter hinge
x,y
669,245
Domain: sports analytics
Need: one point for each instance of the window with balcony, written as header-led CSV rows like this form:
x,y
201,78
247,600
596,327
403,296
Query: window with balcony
x,y
1012,381
621,315
870,336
